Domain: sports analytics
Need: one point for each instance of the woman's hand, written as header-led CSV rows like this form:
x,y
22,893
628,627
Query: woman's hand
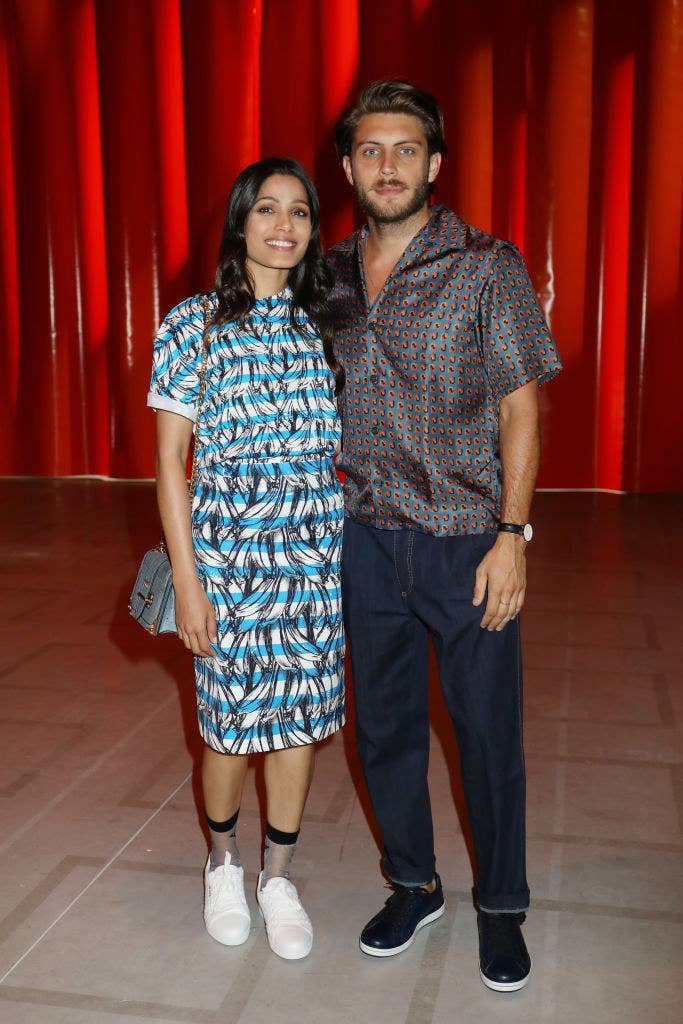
x,y
194,616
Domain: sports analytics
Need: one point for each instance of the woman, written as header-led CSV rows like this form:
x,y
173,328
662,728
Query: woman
x,y
256,562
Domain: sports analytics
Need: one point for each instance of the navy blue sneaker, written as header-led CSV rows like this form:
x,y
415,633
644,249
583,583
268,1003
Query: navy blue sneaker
x,y
404,913
504,962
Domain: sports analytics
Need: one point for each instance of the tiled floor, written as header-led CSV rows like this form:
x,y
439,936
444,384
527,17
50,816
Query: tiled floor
x,y
101,850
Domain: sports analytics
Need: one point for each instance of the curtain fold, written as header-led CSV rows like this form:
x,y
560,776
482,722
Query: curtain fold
x,y
123,125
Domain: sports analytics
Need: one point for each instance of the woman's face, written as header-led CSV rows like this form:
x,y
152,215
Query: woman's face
x,y
278,228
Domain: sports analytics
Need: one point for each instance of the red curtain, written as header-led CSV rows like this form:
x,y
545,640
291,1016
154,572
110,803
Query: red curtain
x,y
124,122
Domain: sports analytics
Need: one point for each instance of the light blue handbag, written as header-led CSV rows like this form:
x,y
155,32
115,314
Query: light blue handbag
x,y
152,601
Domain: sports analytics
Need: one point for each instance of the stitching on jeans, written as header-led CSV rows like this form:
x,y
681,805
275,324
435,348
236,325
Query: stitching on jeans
x,y
520,714
398,575
411,538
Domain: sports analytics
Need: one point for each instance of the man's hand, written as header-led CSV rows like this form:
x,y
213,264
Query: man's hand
x,y
501,572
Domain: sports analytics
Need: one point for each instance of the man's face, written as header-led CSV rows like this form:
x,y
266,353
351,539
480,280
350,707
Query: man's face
x,y
390,168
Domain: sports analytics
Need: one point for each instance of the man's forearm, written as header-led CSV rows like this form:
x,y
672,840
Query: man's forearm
x,y
519,453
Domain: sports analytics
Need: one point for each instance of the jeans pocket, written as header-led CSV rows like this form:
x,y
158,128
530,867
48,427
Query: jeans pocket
x,y
463,558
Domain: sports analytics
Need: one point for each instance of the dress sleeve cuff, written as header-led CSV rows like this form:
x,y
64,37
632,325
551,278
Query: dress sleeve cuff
x,y
155,401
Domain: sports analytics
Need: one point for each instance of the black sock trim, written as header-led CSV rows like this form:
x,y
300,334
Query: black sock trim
x,y
223,826
283,838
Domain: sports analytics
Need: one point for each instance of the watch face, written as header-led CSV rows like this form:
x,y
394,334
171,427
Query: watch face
x,y
528,532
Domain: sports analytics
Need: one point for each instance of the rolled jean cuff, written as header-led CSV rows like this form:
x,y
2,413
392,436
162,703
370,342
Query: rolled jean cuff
x,y
509,903
407,884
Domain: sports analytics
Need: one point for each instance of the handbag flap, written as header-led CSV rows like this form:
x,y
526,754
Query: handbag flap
x,y
150,590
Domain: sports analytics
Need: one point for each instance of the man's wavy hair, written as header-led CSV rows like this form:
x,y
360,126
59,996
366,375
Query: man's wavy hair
x,y
392,96
310,280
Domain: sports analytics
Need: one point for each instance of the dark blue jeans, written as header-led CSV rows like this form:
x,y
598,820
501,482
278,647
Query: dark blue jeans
x,y
398,587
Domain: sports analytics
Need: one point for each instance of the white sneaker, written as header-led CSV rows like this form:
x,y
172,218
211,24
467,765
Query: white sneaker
x,y
225,906
288,926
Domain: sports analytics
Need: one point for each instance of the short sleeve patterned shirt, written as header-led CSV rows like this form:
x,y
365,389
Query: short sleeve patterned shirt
x,y
456,327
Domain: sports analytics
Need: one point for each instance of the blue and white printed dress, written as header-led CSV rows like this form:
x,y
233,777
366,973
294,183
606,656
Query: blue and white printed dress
x,y
267,521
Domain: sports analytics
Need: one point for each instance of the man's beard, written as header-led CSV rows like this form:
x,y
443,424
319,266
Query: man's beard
x,y
398,212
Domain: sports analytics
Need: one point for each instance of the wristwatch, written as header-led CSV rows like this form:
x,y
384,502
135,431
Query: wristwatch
x,y
525,531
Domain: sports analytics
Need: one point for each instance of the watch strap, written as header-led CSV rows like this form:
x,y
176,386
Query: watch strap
x,y
511,528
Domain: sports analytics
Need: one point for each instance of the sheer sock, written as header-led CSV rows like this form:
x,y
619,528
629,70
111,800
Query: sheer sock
x,y
224,840
278,853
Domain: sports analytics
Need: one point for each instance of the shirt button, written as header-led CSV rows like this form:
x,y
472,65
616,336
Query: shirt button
x,y
374,429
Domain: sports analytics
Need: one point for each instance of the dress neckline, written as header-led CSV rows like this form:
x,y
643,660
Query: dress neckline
x,y
270,301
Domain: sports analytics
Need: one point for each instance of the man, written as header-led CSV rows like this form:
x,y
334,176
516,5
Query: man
x,y
444,347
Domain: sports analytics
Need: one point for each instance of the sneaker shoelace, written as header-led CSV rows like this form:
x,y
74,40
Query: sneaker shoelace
x,y
284,906
504,934
224,888
401,902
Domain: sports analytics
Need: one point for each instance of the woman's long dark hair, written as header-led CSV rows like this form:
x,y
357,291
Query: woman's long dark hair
x,y
310,280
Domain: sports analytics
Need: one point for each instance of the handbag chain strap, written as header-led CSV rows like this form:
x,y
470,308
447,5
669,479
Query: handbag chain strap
x,y
200,400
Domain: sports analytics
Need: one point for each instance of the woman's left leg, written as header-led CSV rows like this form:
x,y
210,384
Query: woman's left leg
x,y
225,907
288,775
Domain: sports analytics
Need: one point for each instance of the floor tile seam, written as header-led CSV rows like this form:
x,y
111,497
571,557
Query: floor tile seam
x,y
107,614
184,870
51,592
575,720
582,610
60,872
241,989
85,774
589,646
105,1004
660,685
612,761
353,803
82,726
95,878
152,775
18,662
336,805
9,791
119,690
677,787
650,674
635,844
425,993
42,891
652,633
6,673
537,562
605,910
159,868
49,760
31,610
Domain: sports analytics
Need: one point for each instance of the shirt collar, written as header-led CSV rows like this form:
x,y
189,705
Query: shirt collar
x,y
443,232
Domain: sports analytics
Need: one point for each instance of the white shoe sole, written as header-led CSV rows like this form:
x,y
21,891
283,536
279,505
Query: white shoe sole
x,y
371,951
505,986
230,942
